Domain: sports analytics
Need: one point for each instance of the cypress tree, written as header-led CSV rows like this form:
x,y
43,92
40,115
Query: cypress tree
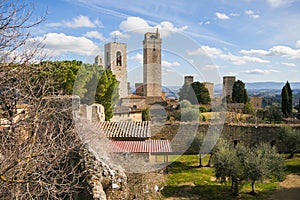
x,y
239,92
286,100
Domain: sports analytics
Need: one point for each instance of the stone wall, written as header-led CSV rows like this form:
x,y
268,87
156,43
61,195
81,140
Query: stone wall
x,y
105,183
235,107
250,134
92,113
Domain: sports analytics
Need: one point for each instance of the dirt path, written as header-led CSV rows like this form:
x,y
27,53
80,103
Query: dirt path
x,y
289,189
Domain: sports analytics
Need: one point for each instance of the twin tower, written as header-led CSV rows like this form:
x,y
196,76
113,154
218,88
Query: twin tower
x,y
115,54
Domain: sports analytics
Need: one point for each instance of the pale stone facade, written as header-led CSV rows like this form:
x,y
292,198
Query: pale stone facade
x,y
92,113
210,87
116,61
256,101
135,116
152,64
139,89
228,82
188,80
98,60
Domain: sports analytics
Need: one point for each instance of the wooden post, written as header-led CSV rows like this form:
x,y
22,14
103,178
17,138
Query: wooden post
x,y
167,163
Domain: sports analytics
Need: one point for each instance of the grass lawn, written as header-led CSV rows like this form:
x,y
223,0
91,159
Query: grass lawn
x,y
186,180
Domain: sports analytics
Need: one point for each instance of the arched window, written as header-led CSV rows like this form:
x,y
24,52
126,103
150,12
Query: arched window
x,y
119,58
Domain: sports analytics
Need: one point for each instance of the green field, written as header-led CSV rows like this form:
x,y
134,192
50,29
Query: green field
x,y
185,180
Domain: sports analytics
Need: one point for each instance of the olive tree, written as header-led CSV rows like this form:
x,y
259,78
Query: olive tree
x,y
291,139
242,163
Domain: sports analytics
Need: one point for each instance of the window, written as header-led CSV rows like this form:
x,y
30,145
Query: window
x,y
119,58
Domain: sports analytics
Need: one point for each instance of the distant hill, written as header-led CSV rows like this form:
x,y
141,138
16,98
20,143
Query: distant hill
x,y
271,85
252,88
265,85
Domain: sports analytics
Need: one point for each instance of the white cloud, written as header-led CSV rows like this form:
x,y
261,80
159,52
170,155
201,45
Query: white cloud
x,y
138,57
278,3
249,12
139,25
298,44
256,52
95,34
206,50
222,16
118,34
57,44
206,23
218,53
166,28
135,24
282,51
260,71
78,22
234,14
165,63
211,67
289,64
252,14
241,60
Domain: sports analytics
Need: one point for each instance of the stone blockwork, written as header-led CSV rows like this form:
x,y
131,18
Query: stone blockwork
x,y
152,64
248,133
105,183
228,82
92,113
116,61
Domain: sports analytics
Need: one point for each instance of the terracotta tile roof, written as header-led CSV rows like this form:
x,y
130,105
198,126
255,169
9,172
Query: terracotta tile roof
x,y
126,129
152,146
134,96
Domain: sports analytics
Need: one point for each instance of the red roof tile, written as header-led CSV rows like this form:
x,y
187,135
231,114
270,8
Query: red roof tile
x,y
126,129
152,146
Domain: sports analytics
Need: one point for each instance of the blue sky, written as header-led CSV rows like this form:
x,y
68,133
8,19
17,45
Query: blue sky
x,y
255,40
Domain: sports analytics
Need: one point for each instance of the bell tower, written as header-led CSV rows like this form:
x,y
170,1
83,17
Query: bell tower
x,y
116,60
152,64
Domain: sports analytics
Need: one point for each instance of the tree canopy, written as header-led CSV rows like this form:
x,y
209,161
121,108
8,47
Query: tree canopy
x,y
92,83
291,139
196,93
242,163
239,92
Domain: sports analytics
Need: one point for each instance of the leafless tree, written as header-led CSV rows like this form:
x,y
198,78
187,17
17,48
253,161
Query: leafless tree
x,y
39,148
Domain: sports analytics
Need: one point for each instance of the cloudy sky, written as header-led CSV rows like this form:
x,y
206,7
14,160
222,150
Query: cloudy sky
x,y
255,40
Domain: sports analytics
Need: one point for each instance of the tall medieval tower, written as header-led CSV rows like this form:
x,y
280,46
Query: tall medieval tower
x,y
152,64
228,82
116,61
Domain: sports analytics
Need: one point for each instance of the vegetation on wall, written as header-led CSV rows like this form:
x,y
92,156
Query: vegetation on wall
x,y
239,92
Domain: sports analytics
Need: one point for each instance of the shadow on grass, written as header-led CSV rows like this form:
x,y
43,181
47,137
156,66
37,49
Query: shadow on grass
x,y
178,167
286,193
292,167
203,192
197,192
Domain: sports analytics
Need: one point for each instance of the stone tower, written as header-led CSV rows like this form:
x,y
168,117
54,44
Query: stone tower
x,y
228,82
152,64
98,60
210,87
116,60
188,80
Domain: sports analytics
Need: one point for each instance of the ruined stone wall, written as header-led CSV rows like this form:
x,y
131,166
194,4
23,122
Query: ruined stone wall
x,y
249,133
104,182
